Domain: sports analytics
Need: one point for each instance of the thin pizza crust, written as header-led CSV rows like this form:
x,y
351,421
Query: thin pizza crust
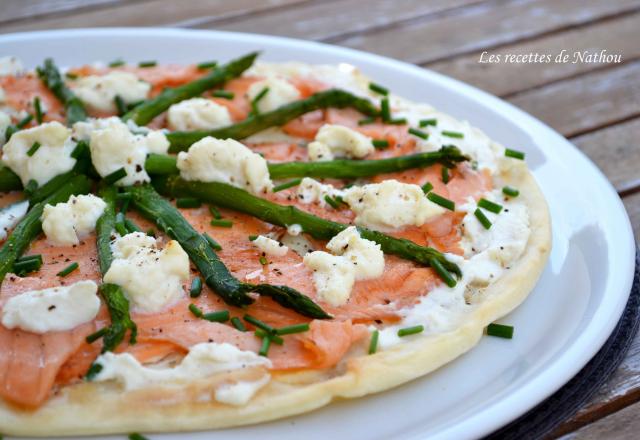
x,y
101,408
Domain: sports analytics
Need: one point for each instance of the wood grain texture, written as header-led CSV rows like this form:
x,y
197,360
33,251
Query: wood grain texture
x,y
623,425
150,13
616,36
319,21
587,102
483,26
19,9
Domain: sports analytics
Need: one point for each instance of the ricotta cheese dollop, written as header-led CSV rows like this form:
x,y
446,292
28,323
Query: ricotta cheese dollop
x,y
53,157
280,92
98,92
52,310
10,216
139,263
354,258
226,161
197,114
269,246
5,122
203,360
312,191
333,141
66,223
390,205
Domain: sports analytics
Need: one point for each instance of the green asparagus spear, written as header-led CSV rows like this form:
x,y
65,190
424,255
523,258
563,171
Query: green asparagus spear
x,y
181,140
448,156
215,273
30,226
145,112
237,199
74,108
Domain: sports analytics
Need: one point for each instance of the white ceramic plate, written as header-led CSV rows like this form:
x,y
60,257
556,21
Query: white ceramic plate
x,y
563,323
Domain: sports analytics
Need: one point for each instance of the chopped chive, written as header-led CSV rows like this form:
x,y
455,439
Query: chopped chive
x,y
207,65
214,212
385,111
29,258
147,63
286,185
424,122
31,151
366,121
256,100
27,264
93,337
263,260
510,191
237,323
120,105
221,223
373,344
121,228
67,270
80,148
131,226
397,121
24,121
196,287
427,187
500,330
10,130
264,349
421,134
442,201
490,206
136,436
252,237
115,176
482,218
30,187
37,105
291,329
126,201
263,325
214,244
442,272
514,153
188,202
452,134
117,63
378,89
445,175
226,94
262,334
220,316
331,201
195,310
380,144
71,75
410,330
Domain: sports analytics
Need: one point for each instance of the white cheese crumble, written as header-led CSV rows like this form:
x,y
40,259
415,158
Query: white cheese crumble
x,y
241,392
53,157
280,92
202,361
98,92
338,141
113,146
294,229
52,310
66,223
390,205
226,161
11,66
297,243
138,264
270,246
197,114
312,191
11,215
355,258
5,122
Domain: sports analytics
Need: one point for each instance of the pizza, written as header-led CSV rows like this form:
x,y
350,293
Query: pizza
x,y
188,247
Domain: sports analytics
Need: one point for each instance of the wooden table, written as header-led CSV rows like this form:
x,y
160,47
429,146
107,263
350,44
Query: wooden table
x,y
595,105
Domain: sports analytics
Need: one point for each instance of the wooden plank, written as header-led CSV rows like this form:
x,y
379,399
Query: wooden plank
x,y
616,36
329,19
590,101
616,151
18,9
483,26
151,13
623,425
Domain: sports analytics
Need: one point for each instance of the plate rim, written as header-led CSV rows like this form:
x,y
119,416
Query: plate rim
x,y
583,347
